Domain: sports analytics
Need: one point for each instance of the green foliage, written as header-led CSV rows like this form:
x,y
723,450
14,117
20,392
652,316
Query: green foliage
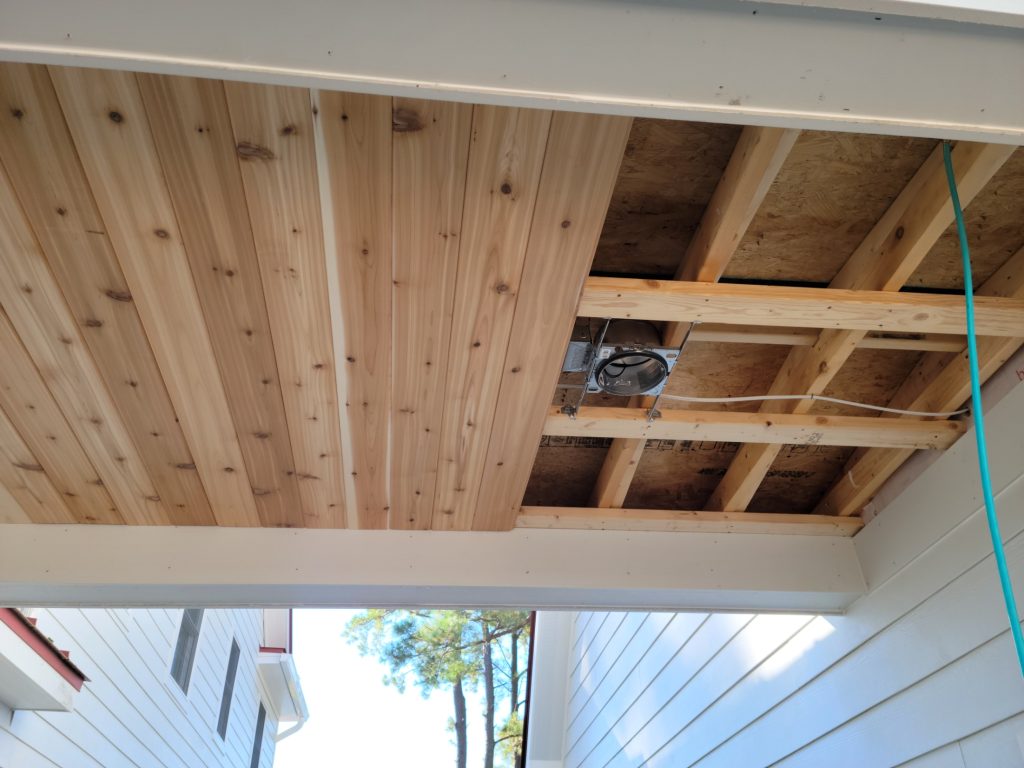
x,y
510,738
437,648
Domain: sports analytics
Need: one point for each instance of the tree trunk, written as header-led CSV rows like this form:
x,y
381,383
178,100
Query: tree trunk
x,y
488,697
514,675
460,724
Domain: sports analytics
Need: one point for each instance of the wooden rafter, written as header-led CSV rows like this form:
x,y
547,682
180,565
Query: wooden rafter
x,y
804,337
886,258
671,521
753,166
937,382
770,305
737,427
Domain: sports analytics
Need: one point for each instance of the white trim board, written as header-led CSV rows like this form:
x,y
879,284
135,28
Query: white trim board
x,y
150,566
726,61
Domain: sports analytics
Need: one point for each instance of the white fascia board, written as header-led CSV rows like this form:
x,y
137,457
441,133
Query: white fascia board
x,y
166,566
1005,13
720,61
549,689
27,681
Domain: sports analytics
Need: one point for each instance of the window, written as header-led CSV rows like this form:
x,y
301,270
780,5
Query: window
x,y
185,650
257,742
229,688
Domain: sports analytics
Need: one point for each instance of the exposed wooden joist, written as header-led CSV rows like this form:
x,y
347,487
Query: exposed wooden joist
x,y
505,159
937,382
755,162
576,183
885,259
721,333
769,305
356,136
105,113
47,176
192,134
672,521
737,427
283,197
430,155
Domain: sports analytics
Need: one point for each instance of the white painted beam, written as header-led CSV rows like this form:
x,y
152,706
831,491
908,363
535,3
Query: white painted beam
x,y
723,61
549,689
151,566
1004,13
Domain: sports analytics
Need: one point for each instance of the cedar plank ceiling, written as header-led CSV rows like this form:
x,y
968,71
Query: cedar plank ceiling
x,y
250,305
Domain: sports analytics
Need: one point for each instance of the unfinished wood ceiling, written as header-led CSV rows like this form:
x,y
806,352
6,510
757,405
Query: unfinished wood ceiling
x,y
250,305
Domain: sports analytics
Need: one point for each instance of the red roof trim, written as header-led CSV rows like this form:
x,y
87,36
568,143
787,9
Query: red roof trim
x,y
38,642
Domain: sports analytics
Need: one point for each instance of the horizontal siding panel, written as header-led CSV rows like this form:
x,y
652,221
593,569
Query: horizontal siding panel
x,y
131,712
917,645
651,627
1001,744
599,737
981,688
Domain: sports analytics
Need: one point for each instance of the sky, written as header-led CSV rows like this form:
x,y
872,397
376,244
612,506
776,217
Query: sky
x,y
354,719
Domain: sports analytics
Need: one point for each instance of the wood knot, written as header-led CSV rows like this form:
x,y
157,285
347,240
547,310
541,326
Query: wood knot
x,y
566,224
93,323
115,116
185,465
246,150
153,498
28,467
501,288
118,295
517,369
62,211
163,234
261,435
899,233
350,359
229,470
17,114
476,343
289,130
506,188
405,120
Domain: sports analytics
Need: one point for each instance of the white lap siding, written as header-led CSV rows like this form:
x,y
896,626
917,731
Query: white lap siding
x,y
131,712
920,672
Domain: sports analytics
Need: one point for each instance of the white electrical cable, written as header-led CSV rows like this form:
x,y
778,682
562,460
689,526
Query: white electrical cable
x,y
823,398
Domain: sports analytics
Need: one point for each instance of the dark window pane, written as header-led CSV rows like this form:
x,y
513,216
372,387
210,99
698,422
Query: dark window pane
x,y
257,742
185,650
229,687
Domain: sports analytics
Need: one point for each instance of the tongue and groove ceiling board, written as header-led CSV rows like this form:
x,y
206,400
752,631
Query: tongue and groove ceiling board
x,y
250,305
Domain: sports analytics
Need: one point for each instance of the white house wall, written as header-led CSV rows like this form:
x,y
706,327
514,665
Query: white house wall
x,y
920,671
131,712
